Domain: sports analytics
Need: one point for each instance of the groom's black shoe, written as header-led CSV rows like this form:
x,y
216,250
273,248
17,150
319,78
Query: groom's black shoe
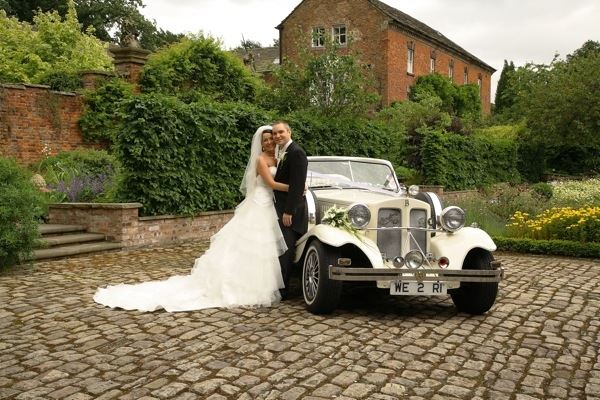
x,y
284,294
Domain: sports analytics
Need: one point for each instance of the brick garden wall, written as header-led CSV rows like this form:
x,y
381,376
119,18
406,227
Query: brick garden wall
x,y
33,116
120,223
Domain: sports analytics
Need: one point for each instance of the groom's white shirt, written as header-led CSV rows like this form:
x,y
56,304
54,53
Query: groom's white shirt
x,y
279,151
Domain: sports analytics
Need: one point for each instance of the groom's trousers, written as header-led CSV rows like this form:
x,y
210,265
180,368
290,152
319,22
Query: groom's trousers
x,y
287,259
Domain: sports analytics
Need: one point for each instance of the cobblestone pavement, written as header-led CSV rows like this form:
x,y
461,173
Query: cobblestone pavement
x,y
540,341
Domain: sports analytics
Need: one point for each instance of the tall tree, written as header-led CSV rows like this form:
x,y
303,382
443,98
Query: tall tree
x,y
329,83
562,109
106,17
28,52
504,98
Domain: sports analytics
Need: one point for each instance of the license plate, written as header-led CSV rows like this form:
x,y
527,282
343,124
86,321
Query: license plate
x,y
411,288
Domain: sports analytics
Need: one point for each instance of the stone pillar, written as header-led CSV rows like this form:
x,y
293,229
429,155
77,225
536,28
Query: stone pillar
x,y
129,61
91,79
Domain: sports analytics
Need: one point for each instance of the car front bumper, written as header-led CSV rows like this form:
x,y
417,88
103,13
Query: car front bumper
x,y
495,274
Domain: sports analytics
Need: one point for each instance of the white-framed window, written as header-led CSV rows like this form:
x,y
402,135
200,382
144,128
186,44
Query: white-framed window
x,y
479,79
466,76
339,36
451,70
318,36
432,58
410,58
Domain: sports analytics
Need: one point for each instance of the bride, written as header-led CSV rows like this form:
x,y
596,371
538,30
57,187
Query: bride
x,y
241,266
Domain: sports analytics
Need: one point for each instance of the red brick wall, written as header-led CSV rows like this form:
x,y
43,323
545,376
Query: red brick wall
x,y
33,116
120,223
383,47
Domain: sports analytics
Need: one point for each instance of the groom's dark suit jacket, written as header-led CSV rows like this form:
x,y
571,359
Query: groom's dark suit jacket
x,y
292,170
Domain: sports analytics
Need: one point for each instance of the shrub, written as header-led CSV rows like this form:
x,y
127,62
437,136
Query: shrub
x,y
102,115
555,247
582,224
198,65
62,81
543,189
183,158
461,162
80,175
20,202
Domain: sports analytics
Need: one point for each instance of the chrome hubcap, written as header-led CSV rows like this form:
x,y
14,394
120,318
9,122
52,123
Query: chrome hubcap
x,y
310,276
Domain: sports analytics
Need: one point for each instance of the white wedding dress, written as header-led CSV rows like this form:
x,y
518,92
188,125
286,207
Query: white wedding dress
x,y
240,268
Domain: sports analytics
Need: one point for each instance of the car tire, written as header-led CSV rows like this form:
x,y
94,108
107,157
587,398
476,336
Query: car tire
x,y
476,298
321,294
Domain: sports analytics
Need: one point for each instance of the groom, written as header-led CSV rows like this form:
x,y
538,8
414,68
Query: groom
x,y
290,205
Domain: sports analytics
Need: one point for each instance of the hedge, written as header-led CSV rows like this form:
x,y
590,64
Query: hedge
x,y
463,162
180,158
20,204
548,247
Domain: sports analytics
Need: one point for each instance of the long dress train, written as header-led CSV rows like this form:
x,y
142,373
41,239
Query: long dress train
x,y
240,268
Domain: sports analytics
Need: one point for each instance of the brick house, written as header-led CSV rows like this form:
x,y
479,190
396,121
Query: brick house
x,y
396,46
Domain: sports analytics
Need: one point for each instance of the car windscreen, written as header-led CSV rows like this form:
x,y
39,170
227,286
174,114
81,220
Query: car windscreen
x,y
350,173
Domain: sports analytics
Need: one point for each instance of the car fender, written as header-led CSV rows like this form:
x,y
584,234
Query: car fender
x,y
457,245
336,237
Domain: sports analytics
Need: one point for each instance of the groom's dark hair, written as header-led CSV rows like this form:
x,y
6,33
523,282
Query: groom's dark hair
x,y
280,121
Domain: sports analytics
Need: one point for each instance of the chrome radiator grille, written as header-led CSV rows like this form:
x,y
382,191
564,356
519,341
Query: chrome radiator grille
x,y
389,242
418,241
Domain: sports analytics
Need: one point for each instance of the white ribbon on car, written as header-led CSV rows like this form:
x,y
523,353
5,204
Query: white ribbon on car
x,y
337,181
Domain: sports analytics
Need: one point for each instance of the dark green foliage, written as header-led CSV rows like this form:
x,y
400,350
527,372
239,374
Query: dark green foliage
x,y
102,115
549,247
543,189
198,66
504,98
20,204
563,113
62,81
461,162
183,158
360,137
327,83
457,100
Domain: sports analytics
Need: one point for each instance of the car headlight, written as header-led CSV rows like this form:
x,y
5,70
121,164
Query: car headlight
x,y
413,190
359,215
452,218
414,259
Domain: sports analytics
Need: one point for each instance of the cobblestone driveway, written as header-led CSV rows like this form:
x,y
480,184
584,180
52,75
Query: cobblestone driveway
x,y
540,340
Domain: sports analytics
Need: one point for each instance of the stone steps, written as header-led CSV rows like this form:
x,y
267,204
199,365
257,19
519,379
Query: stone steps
x,y
58,241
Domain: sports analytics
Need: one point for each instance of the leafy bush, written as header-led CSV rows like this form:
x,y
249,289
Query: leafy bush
x,y
198,65
547,247
582,224
460,162
359,137
62,81
30,52
543,189
80,175
183,158
20,203
103,113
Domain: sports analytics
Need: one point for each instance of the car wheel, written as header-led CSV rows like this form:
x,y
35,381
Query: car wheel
x,y
321,294
476,298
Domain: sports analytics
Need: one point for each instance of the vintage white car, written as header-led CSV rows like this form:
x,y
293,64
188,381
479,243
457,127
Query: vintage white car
x,y
400,238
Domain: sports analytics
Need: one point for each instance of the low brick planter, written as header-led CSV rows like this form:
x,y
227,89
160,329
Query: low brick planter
x,y
120,222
